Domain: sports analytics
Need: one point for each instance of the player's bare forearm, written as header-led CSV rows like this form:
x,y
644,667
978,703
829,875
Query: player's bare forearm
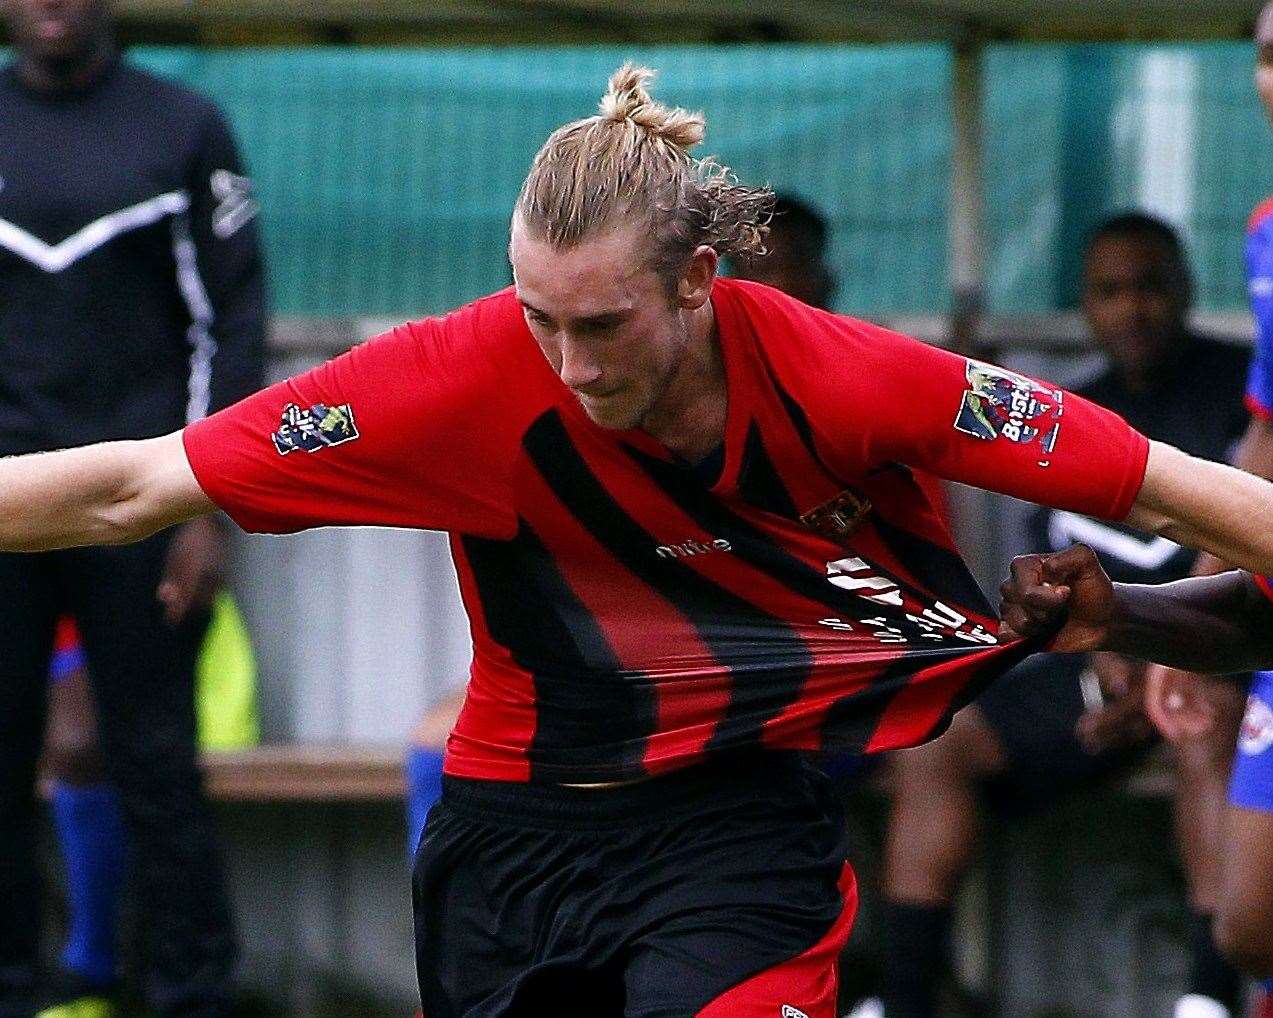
x,y
1218,624
1209,506
1254,455
112,493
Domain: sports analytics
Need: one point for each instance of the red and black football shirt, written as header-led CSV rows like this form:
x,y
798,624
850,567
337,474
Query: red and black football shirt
x,y
632,614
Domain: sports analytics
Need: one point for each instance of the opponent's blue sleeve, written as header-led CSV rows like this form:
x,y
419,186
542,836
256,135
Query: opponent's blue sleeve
x,y
1252,784
1259,263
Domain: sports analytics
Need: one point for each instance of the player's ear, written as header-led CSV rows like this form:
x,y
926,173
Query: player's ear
x,y
694,288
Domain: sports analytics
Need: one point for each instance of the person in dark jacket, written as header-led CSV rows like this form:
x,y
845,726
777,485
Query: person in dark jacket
x,y
131,302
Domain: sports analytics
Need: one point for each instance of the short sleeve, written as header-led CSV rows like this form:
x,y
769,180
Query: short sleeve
x,y
903,401
401,432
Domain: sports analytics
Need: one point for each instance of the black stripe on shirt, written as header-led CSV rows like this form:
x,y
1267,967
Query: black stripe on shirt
x,y
593,719
759,483
752,644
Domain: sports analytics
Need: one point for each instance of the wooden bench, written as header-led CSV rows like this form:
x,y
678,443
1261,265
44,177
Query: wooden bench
x,y
306,772
349,772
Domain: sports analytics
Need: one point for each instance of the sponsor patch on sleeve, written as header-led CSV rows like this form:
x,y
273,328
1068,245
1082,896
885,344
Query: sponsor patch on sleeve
x,y
1002,404
313,428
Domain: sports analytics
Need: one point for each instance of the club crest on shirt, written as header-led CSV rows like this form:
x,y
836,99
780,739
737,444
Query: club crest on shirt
x,y
1256,733
839,517
314,428
1003,403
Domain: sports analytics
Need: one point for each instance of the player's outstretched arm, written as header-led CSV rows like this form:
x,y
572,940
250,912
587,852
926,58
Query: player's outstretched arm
x,y
1220,623
112,493
1209,506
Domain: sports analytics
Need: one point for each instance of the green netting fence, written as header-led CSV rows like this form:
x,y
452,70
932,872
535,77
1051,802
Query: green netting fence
x,y
387,177
1073,133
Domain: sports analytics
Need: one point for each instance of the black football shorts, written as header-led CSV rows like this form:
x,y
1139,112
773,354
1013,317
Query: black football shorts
x,y
720,890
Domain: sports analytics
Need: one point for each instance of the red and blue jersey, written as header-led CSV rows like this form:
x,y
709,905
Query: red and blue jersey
x,y
1252,782
1259,268
631,614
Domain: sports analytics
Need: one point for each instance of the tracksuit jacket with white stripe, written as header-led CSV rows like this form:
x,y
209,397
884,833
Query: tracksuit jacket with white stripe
x,y
131,280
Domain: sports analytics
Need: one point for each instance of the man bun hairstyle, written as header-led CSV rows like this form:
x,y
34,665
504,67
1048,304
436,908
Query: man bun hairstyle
x,y
630,164
629,100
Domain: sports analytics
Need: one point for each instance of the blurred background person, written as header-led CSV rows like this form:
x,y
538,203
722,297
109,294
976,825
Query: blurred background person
x,y
795,258
1190,709
85,805
131,301
1058,723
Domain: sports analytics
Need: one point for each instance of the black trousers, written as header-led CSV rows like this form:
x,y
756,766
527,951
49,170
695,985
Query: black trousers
x,y
142,673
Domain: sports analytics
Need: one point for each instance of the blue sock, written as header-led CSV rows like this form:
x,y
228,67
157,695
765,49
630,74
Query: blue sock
x,y
90,830
423,769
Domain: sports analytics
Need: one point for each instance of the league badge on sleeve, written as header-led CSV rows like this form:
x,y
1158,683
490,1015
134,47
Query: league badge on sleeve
x,y
1001,403
314,428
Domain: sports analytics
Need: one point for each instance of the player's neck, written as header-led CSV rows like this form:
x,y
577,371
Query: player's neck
x,y
43,75
689,419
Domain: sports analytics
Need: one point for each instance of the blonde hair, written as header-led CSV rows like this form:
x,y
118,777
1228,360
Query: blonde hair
x,y
632,162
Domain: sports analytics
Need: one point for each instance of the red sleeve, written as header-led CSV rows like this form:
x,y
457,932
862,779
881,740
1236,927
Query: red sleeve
x,y
876,397
388,434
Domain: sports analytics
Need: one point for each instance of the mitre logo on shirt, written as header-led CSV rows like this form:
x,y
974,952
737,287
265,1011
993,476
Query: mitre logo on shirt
x,y
792,1012
313,428
1001,403
1256,734
688,549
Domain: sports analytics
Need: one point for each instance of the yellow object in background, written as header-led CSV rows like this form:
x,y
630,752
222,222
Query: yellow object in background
x,y
225,681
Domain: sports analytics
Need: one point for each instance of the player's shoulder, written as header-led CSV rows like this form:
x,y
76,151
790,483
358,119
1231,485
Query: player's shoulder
x,y
783,323
494,319
829,364
484,333
1261,219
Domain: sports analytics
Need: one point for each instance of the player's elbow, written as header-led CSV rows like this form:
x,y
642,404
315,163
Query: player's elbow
x,y
1245,937
120,521
143,492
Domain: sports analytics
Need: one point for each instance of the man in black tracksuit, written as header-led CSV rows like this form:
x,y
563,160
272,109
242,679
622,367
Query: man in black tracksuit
x,y
131,301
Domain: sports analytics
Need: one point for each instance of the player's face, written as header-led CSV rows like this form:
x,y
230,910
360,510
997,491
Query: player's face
x,y
604,319
56,30
1264,58
1135,298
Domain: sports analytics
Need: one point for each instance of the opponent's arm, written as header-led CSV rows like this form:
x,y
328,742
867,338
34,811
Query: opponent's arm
x,y
1182,704
111,493
1220,623
1209,506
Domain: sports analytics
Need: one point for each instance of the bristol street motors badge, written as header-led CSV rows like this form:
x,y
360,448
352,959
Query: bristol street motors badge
x,y
838,518
1003,404
314,428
